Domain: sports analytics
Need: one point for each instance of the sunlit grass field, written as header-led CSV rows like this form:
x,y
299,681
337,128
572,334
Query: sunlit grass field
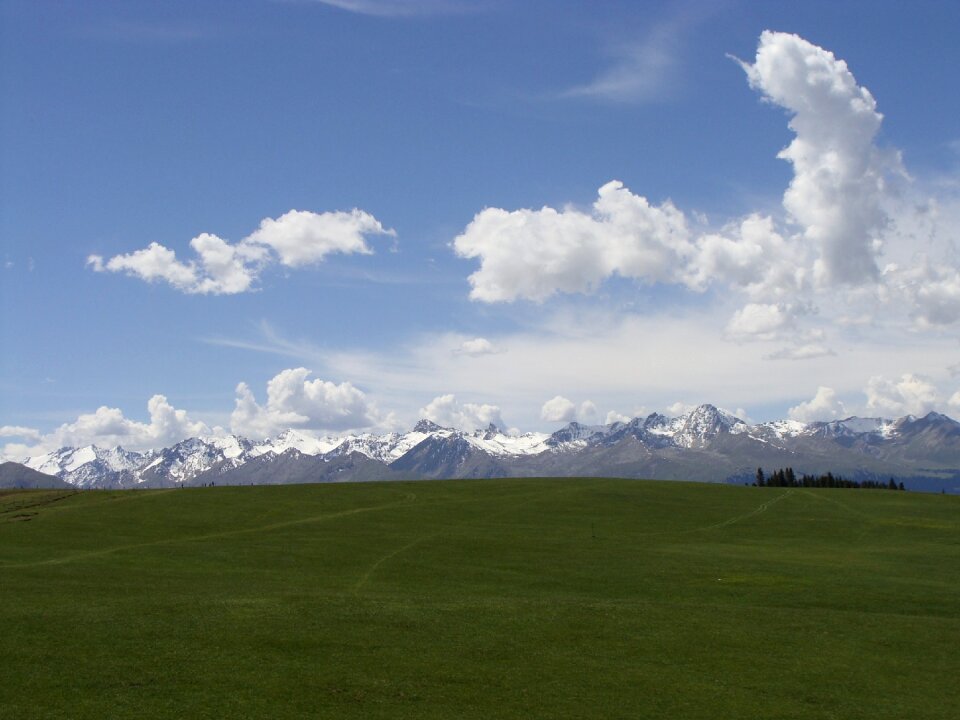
x,y
554,598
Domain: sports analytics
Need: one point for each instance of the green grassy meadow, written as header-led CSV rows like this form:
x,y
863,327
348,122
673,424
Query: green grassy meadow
x,y
480,599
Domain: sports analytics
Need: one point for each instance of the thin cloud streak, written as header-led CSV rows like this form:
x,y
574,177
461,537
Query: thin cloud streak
x,y
403,8
642,72
648,69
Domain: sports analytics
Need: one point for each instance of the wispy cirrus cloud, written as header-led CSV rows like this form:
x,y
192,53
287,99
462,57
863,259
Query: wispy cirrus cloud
x,y
647,68
403,8
641,71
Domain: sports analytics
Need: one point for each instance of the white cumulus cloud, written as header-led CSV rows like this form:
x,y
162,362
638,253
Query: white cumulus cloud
x,y
909,395
558,409
758,321
823,406
836,196
933,291
154,262
300,237
839,174
109,427
533,254
614,416
752,256
679,408
19,431
445,411
476,347
294,239
955,401
588,413
848,204
294,401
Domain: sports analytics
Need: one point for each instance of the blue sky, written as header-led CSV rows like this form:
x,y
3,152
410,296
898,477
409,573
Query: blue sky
x,y
131,123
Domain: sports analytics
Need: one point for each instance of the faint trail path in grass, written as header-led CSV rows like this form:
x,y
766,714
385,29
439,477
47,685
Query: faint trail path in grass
x,y
834,501
324,517
409,500
746,516
365,577
383,560
870,521
552,492
760,509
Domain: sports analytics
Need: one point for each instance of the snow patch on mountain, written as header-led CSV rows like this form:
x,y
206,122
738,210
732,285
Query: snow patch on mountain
x,y
495,442
294,440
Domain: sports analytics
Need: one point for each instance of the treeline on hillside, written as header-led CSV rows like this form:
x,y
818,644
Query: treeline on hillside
x,y
785,477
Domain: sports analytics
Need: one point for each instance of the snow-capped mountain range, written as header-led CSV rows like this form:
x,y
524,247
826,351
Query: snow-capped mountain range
x,y
704,444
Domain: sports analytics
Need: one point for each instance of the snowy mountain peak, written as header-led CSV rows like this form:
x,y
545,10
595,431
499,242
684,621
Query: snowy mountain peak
x,y
573,432
492,429
703,423
82,466
931,422
232,446
426,426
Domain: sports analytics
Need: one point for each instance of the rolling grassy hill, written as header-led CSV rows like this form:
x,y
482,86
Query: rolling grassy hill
x,y
492,599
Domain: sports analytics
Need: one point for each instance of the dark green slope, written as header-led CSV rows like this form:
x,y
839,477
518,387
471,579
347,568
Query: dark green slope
x,y
580,598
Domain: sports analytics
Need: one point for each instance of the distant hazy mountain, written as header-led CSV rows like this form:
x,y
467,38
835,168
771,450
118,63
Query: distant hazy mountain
x,y
15,475
705,444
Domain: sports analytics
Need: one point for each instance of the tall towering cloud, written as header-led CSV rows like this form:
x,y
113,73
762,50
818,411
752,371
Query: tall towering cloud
x,y
826,253
839,174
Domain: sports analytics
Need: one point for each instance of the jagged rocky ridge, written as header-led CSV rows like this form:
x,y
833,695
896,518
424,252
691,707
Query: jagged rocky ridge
x,y
706,444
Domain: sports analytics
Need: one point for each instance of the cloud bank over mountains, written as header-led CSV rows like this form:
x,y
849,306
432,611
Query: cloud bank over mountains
x,y
320,407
